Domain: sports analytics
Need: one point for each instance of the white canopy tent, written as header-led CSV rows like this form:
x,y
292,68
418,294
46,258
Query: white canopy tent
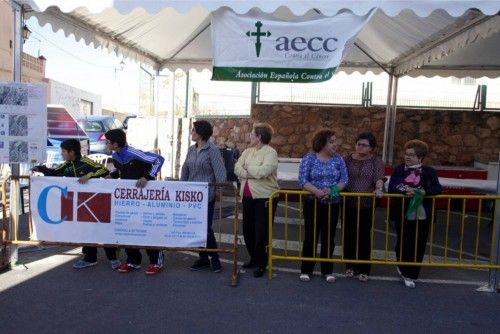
x,y
446,38
413,37
404,37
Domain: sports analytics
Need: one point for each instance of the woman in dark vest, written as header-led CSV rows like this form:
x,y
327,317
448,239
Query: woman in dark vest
x,y
413,180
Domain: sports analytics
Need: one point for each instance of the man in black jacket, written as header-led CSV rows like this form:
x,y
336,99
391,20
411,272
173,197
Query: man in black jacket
x,y
84,169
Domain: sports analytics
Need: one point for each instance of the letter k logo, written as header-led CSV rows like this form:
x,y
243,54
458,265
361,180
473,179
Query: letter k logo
x,y
258,34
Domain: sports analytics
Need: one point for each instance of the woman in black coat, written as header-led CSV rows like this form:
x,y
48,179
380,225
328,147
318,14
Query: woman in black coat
x,y
413,180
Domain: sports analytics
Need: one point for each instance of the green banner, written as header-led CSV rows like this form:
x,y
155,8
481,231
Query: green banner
x,y
264,74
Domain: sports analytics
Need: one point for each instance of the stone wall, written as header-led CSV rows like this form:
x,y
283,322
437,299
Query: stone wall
x,y
454,137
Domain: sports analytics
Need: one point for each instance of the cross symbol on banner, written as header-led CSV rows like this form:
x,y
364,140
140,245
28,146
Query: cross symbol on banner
x,y
258,34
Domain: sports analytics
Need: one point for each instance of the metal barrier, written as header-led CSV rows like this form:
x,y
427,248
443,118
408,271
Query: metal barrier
x,y
447,230
225,193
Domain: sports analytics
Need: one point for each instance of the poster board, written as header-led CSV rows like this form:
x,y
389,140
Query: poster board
x,y
23,122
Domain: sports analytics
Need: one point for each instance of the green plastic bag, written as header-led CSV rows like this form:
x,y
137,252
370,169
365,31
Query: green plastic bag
x,y
415,202
334,193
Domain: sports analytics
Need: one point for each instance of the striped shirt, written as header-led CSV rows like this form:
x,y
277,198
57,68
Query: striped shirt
x,y
81,166
205,165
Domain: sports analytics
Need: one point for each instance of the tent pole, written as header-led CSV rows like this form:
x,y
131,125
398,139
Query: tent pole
x,y
172,128
493,282
18,19
157,106
493,279
392,132
387,119
373,59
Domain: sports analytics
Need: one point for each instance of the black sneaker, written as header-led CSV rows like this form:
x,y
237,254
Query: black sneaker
x,y
259,272
249,264
200,264
216,266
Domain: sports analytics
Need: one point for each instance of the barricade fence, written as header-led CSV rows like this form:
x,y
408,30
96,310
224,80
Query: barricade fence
x,y
459,239
225,222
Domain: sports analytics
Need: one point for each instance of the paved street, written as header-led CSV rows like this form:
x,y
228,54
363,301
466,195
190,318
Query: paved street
x,y
46,295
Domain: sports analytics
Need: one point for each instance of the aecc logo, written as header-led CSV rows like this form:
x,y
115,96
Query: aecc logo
x,y
284,43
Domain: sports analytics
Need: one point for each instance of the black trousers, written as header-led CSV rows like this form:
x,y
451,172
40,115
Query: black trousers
x,y
325,231
134,256
405,244
90,253
256,228
363,245
211,241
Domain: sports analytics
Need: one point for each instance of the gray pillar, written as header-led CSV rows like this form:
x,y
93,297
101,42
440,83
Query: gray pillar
x,y
493,281
17,39
390,152
493,276
388,111
157,105
172,128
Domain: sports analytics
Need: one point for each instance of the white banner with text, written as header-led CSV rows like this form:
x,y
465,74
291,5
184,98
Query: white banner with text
x,y
260,47
108,211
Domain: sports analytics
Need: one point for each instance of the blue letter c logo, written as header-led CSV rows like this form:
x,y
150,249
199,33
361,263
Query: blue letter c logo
x,y
42,204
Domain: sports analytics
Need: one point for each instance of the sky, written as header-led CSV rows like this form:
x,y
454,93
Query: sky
x,y
87,68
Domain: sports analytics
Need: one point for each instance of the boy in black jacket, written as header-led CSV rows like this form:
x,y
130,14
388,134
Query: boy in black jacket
x,y
133,164
84,169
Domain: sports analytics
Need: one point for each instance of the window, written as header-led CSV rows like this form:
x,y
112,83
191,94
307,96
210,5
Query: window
x,y
219,98
117,124
86,108
91,126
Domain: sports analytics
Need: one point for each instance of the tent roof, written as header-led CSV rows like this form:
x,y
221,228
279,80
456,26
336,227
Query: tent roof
x,y
459,38
298,7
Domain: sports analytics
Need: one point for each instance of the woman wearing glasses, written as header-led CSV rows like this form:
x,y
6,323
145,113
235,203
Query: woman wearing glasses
x,y
366,175
413,180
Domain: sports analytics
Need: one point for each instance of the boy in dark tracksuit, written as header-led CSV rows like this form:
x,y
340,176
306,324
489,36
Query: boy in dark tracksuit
x,y
82,167
133,164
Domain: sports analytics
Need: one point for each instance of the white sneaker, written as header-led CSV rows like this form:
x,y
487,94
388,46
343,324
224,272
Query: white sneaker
x,y
304,277
330,278
409,283
349,273
363,277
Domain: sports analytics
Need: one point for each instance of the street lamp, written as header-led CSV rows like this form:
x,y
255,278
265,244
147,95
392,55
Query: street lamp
x,y
121,66
26,33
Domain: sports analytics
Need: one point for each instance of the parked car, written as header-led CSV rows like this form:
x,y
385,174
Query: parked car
x,y
54,156
60,126
125,121
96,126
